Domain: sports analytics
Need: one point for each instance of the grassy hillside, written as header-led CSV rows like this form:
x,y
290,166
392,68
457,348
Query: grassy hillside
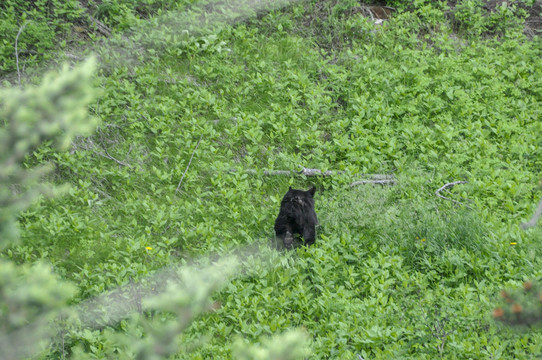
x,y
396,272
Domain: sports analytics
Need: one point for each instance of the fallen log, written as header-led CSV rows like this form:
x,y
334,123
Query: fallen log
x,y
375,179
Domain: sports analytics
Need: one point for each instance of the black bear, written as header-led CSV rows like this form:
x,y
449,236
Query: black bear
x,y
297,217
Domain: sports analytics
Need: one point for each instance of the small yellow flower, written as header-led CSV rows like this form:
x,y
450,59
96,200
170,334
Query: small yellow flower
x,y
417,238
513,243
423,240
148,248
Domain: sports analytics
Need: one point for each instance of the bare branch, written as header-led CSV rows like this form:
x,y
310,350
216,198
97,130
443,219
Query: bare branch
x,y
376,179
535,217
189,162
390,181
100,26
449,185
17,51
108,156
367,10
304,171
445,187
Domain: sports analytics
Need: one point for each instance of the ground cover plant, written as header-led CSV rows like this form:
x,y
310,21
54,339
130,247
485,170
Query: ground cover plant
x,y
189,119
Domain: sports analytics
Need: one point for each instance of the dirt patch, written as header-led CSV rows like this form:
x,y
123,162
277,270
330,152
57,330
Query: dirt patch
x,y
533,24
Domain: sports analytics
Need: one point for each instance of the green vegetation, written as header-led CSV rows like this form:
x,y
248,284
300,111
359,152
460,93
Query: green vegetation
x,y
196,94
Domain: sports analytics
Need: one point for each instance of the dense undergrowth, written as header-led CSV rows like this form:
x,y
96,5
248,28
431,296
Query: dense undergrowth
x,y
396,272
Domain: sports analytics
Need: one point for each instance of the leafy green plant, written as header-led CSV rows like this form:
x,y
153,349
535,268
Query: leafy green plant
x,y
37,26
473,18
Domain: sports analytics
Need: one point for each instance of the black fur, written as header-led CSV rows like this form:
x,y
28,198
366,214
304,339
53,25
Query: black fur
x,y
297,217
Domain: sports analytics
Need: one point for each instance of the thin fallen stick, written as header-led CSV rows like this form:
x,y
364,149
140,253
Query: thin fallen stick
x,y
376,179
108,156
368,10
535,217
314,172
17,51
446,186
304,171
189,162
374,182
100,26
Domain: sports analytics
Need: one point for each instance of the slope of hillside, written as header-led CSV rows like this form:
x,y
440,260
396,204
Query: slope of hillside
x,y
196,104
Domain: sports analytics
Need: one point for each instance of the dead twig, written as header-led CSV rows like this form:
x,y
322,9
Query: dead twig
x,y
304,171
107,155
100,26
367,10
97,186
375,179
17,51
189,162
534,219
437,324
448,185
389,181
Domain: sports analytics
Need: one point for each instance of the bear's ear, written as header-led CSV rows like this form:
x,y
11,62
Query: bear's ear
x,y
290,188
312,191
